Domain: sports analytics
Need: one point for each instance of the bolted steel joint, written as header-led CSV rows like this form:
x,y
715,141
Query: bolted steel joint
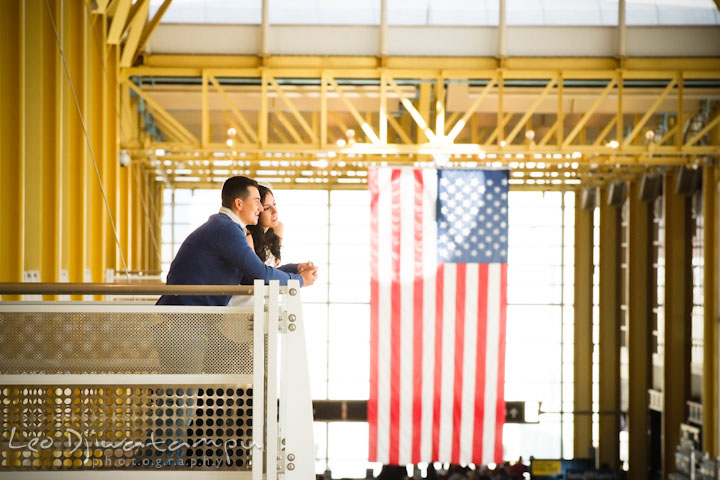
x,y
292,327
291,457
292,317
291,466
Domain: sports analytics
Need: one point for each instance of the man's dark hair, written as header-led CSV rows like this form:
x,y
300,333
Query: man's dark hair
x,y
236,187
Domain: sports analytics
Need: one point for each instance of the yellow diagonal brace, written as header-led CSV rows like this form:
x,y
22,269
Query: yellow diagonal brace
x,y
240,133
136,29
102,6
289,127
280,135
189,137
396,126
117,27
170,129
605,131
298,116
648,113
496,132
451,120
245,124
461,123
668,135
702,132
412,110
588,113
521,123
353,111
341,124
151,26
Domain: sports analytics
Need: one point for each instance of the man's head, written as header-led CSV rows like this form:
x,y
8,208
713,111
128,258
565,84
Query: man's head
x,y
241,195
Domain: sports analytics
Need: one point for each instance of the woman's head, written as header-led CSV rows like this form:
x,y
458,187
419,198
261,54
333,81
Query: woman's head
x,y
269,216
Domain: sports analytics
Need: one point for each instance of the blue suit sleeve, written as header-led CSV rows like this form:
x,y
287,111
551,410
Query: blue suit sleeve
x,y
233,246
289,267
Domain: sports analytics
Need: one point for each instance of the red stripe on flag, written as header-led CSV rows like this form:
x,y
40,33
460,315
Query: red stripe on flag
x,y
418,318
437,391
459,341
480,364
395,319
500,412
374,309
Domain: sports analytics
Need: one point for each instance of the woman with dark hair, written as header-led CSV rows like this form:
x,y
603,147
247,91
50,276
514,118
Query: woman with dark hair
x,y
267,234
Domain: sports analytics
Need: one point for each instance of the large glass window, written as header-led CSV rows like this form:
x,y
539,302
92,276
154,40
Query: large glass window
x,y
331,228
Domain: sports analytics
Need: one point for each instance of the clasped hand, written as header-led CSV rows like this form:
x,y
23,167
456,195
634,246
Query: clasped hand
x,y
308,271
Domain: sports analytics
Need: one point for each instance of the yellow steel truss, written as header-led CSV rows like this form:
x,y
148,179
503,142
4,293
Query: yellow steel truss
x,y
524,112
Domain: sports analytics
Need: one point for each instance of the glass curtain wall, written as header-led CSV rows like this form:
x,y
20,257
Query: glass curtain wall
x,y
331,228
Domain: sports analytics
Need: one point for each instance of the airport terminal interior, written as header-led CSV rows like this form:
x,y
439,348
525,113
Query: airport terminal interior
x,y
120,120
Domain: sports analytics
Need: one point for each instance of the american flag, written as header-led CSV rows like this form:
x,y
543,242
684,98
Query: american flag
x,y
438,302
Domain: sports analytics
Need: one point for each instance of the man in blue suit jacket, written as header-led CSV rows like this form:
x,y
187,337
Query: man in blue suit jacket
x,y
217,252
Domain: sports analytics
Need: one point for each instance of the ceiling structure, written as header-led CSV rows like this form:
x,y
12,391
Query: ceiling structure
x,y
319,120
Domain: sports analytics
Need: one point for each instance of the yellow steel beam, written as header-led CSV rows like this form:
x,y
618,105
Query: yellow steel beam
x,y
288,126
117,26
496,133
263,118
399,130
609,335
473,107
604,133
241,118
323,111
33,92
677,319
531,109
710,125
639,263
243,138
298,116
135,27
151,26
205,112
281,136
189,137
583,343
419,120
440,107
560,110
451,120
669,134
588,113
12,182
383,116
102,6
640,124
548,135
353,111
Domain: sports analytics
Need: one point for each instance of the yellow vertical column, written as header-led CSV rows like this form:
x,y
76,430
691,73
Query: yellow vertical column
x,y
114,258
609,329
677,322
12,57
95,122
73,147
638,348
33,99
51,186
710,329
423,108
582,394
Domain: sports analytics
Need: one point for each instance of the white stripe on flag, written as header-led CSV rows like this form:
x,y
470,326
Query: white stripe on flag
x,y
407,273
491,366
448,363
429,269
470,351
384,285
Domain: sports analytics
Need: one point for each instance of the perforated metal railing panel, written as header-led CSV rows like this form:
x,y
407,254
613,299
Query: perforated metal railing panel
x,y
125,342
103,427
